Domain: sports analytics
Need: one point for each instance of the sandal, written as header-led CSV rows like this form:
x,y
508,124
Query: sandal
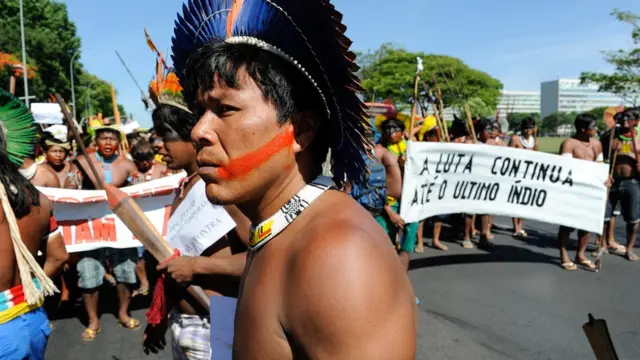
x,y
618,250
630,256
440,247
587,264
89,334
569,266
419,249
141,291
467,244
131,324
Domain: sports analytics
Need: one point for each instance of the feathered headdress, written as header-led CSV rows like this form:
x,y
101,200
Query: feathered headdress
x,y
165,87
18,128
308,34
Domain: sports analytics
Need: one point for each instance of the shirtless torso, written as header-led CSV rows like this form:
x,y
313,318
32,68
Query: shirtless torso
x,y
44,176
313,270
587,150
628,153
392,170
69,176
122,170
519,142
34,229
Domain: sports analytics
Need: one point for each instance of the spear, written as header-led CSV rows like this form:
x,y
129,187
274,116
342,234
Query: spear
x,y
131,215
440,104
441,122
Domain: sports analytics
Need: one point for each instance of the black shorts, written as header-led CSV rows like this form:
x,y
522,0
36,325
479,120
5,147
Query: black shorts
x,y
626,193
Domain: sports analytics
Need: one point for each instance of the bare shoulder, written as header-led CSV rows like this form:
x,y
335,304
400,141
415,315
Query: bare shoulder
x,y
343,264
567,145
514,141
597,144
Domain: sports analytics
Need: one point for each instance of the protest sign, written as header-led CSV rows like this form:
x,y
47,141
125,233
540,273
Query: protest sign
x,y
448,178
87,223
197,224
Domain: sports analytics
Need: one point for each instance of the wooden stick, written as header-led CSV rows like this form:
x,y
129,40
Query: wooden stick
x,y
467,111
133,217
414,109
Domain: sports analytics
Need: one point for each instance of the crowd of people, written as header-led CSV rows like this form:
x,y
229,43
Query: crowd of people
x,y
248,118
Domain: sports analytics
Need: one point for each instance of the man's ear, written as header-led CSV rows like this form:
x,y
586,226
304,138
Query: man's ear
x,y
305,127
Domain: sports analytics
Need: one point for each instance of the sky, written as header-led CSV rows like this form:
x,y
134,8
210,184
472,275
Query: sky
x,y
521,43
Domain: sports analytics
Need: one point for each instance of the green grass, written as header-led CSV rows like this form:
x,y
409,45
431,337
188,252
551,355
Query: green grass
x,y
550,144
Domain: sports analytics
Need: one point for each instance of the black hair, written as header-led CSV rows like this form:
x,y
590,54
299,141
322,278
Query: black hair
x,y
108,129
172,121
459,128
633,113
584,120
281,83
495,125
21,193
142,150
527,123
482,125
392,123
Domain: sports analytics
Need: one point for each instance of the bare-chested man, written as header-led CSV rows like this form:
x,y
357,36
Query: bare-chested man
x,y
39,175
484,133
625,189
316,257
116,170
584,146
527,141
143,156
56,155
220,267
24,328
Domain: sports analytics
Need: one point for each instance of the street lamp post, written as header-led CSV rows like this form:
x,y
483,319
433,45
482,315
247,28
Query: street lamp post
x,y
24,59
73,90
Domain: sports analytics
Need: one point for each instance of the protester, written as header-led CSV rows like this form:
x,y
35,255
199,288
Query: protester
x,y
484,133
265,128
57,159
219,268
527,141
625,189
144,157
583,146
38,175
118,171
24,327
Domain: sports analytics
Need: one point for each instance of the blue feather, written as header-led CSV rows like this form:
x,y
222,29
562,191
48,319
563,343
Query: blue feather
x,y
312,33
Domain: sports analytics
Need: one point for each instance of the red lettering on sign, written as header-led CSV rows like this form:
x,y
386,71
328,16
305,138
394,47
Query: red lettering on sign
x,y
83,232
104,229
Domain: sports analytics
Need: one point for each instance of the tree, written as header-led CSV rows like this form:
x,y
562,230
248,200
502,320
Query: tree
x,y
388,73
93,96
478,108
552,122
50,40
625,81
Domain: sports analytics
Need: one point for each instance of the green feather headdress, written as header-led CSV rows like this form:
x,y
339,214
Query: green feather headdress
x,y
18,128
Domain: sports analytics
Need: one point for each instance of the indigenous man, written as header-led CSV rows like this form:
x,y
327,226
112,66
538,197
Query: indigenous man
x,y
317,258
625,189
484,132
584,146
393,140
144,157
527,141
38,175
56,155
24,327
116,170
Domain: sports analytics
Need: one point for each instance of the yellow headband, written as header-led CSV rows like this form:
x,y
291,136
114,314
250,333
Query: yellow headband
x,y
66,145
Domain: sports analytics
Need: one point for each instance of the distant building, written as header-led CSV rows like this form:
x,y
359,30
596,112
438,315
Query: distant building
x,y
569,95
519,102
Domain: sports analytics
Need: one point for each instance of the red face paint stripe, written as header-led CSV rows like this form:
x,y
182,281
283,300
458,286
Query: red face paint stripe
x,y
245,164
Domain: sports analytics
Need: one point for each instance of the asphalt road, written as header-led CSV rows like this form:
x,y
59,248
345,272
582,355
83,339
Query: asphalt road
x,y
514,302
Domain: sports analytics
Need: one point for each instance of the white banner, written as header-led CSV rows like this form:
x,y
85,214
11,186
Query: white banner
x,y
87,223
196,224
447,178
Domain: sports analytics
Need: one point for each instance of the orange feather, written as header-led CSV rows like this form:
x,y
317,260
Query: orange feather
x,y
233,16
